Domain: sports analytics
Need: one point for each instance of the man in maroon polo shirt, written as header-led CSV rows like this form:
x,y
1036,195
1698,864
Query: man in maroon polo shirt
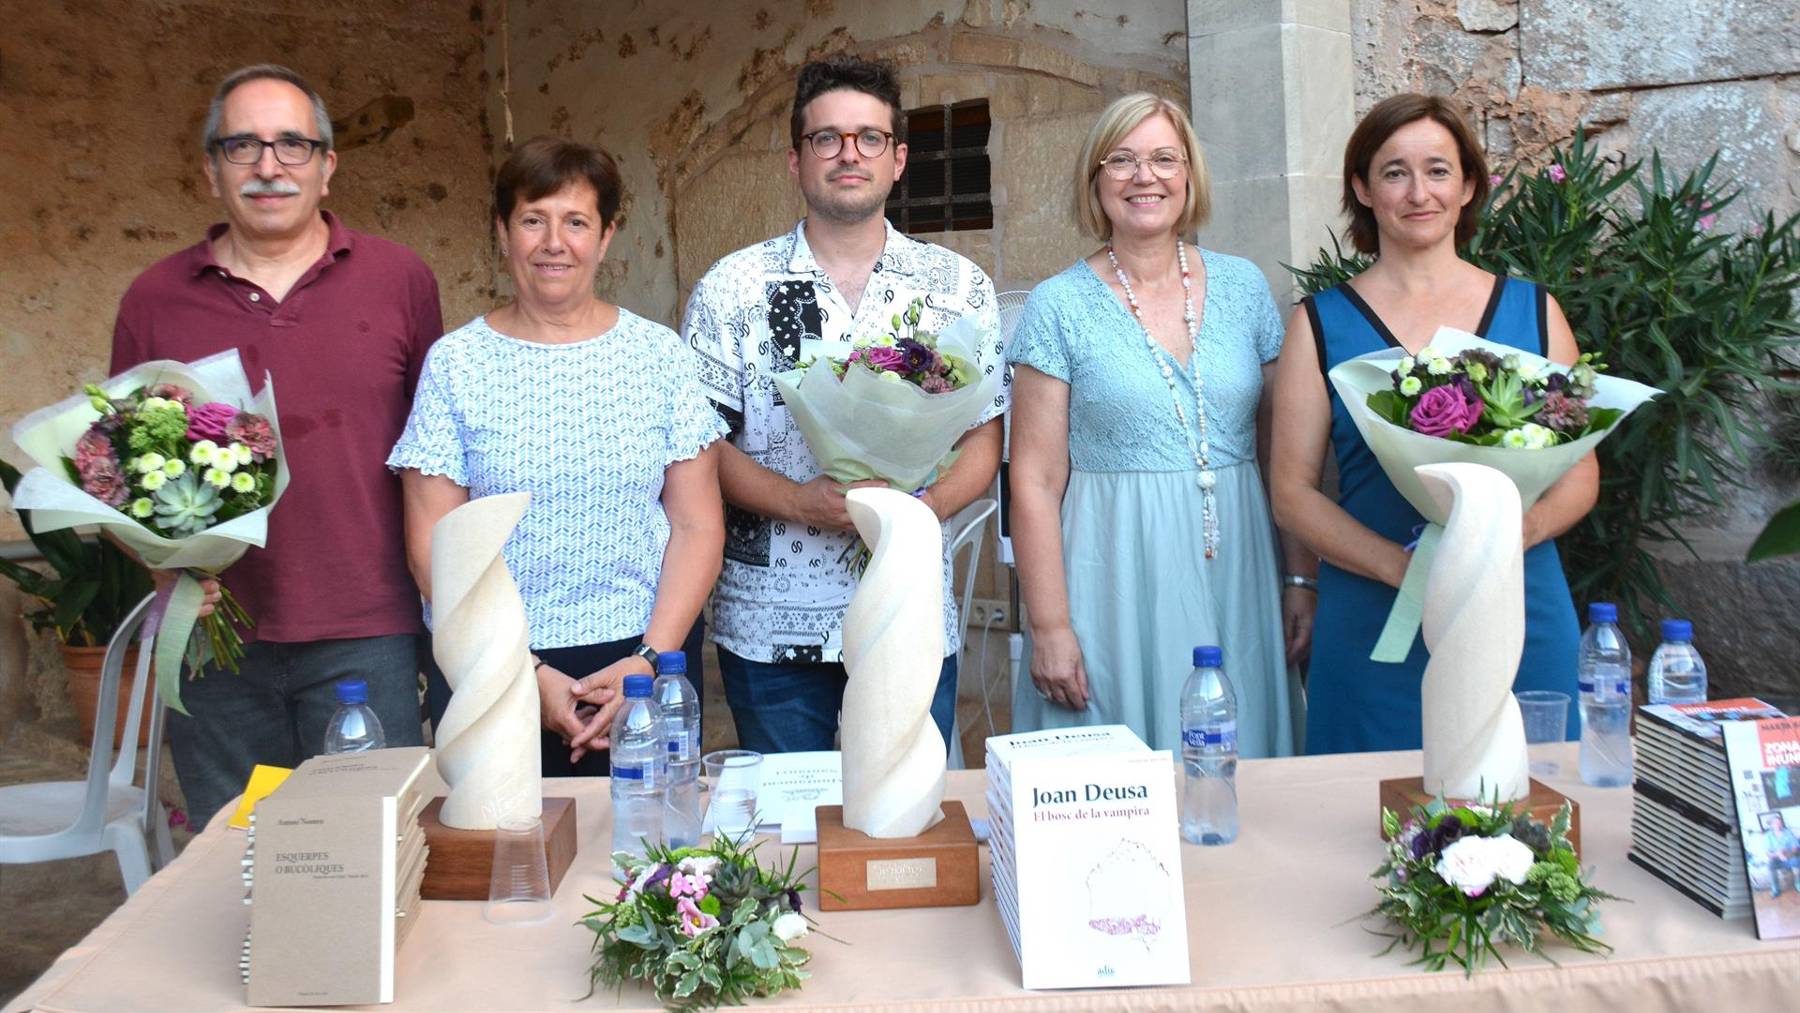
x,y
340,320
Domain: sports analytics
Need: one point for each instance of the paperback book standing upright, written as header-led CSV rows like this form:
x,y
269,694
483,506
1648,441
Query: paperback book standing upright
x,y
1086,858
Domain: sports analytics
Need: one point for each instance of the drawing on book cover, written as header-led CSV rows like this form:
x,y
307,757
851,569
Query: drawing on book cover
x,y
1765,773
1128,893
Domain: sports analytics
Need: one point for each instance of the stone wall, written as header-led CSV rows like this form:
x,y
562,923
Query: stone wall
x,y
1684,78
101,107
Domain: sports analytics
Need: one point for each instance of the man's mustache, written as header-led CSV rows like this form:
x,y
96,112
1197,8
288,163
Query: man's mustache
x,y
268,188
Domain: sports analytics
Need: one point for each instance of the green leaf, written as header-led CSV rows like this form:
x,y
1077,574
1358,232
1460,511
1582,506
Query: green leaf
x,y
1780,538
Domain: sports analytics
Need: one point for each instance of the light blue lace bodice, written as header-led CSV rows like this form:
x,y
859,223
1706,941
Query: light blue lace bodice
x,y
1121,417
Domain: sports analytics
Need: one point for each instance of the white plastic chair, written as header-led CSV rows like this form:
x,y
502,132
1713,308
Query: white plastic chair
x,y
965,530
106,812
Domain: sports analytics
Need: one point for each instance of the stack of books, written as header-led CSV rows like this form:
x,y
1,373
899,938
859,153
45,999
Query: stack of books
x,y
1684,823
332,873
1085,853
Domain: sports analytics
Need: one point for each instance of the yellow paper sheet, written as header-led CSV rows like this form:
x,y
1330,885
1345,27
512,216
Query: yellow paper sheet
x,y
263,780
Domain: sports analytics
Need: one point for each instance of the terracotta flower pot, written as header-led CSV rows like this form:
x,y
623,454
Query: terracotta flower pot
x,y
83,665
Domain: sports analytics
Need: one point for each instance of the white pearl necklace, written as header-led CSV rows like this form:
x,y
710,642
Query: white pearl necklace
x,y
1209,514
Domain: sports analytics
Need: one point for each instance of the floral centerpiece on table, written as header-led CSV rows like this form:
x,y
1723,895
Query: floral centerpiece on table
x,y
178,462
1477,397
702,927
1461,880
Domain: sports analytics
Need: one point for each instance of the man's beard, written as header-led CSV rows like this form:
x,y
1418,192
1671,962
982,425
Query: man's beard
x,y
847,208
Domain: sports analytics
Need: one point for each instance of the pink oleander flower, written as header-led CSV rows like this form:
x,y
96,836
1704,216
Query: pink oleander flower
x,y
1707,222
106,483
252,431
693,920
208,421
93,451
1445,410
1556,172
881,358
172,392
1496,179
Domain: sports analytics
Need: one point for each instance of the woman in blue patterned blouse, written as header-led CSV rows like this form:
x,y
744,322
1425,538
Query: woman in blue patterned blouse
x,y
1139,519
599,414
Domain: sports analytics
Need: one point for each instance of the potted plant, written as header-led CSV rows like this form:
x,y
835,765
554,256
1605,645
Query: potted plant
x,y
93,586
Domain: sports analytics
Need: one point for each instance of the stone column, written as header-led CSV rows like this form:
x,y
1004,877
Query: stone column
x,y
1273,98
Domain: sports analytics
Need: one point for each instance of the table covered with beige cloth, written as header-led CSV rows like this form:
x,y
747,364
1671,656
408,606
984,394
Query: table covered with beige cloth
x,y
1273,924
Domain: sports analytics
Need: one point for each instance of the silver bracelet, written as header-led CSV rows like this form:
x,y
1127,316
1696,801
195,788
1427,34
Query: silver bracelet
x,y
1296,580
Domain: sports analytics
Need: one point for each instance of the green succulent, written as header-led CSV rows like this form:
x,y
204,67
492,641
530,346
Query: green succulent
x,y
186,505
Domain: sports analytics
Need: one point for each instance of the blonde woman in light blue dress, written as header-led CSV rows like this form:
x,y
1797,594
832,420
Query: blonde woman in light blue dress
x,y
1140,522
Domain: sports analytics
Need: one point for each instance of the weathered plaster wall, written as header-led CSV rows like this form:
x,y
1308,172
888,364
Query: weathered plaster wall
x,y
693,100
101,107
1683,77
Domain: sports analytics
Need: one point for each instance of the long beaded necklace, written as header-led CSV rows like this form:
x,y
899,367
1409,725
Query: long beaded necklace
x,y
1209,513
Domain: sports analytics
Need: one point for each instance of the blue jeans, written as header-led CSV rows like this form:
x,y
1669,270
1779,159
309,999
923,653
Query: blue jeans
x,y
792,707
274,710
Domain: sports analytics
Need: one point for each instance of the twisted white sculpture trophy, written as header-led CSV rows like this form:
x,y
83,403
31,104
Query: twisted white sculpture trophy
x,y
488,745
893,754
1474,627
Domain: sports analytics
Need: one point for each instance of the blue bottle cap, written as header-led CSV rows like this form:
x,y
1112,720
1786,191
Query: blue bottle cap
x,y
638,685
352,691
1603,612
1208,657
671,663
1677,629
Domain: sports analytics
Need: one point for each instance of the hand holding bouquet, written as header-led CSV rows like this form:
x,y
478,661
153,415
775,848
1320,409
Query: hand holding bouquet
x,y
181,465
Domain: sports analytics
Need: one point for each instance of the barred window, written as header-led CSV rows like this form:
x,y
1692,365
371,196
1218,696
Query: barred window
x,y
945,187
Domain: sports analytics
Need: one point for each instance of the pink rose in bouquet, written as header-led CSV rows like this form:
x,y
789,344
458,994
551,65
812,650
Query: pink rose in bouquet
x,y
880,358
208,421
1444,410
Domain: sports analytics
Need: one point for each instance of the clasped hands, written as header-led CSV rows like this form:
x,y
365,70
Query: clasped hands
x,y
819,502
581,711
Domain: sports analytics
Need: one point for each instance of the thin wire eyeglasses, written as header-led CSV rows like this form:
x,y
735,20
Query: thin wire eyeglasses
x,y
246,150
1163,163
827,143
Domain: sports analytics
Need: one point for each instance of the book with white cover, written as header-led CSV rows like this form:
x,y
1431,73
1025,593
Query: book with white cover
x,y
1096,854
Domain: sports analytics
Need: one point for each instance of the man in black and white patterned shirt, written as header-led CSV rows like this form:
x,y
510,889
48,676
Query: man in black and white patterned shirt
x,y
843,272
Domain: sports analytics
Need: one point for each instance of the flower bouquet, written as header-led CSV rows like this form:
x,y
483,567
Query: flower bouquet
x,y
701,926
1465,399
180,464
1460,881
892,406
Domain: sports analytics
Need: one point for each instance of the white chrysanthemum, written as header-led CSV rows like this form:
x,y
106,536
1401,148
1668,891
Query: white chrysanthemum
x,y
152,461
1537,437
243,481
174,467
1411,385
217,477
142,507
153,481
1530,369
1439,366
242,453
1473,863
1428,353
1514,438
202,452
1406,364
789,927
224,460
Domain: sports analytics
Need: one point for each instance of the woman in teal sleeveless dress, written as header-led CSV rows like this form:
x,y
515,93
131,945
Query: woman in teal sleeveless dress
x,y
1413,172
1130,551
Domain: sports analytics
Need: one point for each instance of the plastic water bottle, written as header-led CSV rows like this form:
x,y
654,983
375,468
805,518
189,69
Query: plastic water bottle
x,y
680,706
638,769
354,727
1209,752
1603,672
1677,675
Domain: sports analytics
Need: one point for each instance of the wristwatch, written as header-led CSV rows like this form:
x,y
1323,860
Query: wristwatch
x,y
646,652
1296,580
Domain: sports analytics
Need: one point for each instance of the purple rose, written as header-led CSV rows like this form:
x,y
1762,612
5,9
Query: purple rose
x,y
881,359
208,421
1445,410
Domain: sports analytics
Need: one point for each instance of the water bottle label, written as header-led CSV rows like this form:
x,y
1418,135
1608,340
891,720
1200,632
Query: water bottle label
x,y
620,773
1621,687
1220,735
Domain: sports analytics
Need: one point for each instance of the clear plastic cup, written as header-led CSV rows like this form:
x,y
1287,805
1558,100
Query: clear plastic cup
x,y
1546,714
519,885
732,776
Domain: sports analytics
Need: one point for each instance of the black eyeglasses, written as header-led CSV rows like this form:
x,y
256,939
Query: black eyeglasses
x,y
827,143
245,150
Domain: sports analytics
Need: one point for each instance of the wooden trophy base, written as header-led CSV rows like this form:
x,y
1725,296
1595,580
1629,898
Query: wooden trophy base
x,y
1402,794
938,868
462,861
